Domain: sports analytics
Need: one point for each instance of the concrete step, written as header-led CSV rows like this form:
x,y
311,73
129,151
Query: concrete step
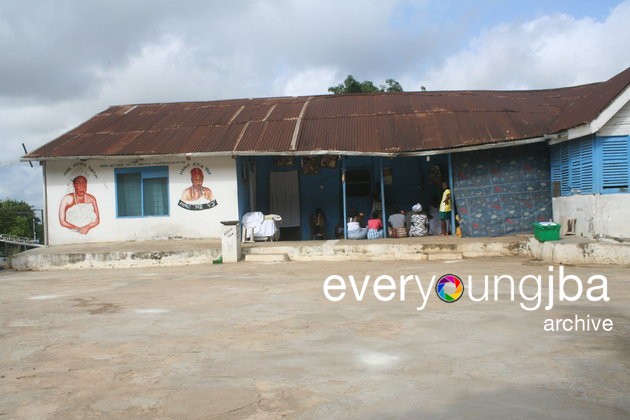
x,y
266,257
268,249
185,252
438,256
51,259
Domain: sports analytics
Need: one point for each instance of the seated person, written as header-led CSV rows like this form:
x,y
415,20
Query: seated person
x,y
355,231
435,227
375,226
397,224
397,218
418,221
318,225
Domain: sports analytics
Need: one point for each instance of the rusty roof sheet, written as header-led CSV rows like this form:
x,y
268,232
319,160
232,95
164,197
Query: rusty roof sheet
x,y
585,108
391,123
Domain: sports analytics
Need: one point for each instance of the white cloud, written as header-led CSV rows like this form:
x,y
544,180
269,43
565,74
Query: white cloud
x,y
73,59
33,125
551,51
307,82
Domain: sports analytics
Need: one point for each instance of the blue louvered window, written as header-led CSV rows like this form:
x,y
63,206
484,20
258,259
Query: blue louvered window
x,y
560,169
572,167
590,165
615,154
581,166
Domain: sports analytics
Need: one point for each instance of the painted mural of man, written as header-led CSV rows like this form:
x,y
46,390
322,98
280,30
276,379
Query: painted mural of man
x,y
197,197
196,191
78,210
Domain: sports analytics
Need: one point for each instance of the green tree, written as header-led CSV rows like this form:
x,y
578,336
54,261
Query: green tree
x,y
391,86
352,85
18,218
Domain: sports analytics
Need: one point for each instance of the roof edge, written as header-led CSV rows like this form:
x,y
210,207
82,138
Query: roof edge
x,y
602,118
433,152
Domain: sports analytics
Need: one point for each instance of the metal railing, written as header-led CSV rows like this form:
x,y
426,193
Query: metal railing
x,y
19,240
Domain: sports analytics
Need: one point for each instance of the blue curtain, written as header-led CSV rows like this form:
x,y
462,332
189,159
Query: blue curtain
x,y
128,193
155,196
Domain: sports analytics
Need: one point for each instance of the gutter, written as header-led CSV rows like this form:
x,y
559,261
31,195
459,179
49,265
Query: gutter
x,y
551,138
475,148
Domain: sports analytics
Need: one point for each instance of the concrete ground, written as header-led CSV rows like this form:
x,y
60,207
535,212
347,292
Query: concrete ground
x,y
260,340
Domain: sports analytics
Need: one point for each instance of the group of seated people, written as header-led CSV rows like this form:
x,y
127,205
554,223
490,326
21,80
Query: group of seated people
x,y
399,224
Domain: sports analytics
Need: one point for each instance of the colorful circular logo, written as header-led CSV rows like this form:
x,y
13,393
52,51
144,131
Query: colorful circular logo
x,y
449,288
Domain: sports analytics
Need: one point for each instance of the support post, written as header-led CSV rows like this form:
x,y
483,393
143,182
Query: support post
x,y
383,210
343,194
450,185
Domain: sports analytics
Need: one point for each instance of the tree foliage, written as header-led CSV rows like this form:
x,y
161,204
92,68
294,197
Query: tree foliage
x,y
351,85
392,86
16,219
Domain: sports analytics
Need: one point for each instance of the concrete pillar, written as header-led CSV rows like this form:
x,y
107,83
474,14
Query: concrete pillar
x,y
231,241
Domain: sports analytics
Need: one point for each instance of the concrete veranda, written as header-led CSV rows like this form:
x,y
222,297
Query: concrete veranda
x,y
176,252
260,340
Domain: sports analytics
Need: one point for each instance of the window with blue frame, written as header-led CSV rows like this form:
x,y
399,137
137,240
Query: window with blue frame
x,y
142,191
591,165
615,155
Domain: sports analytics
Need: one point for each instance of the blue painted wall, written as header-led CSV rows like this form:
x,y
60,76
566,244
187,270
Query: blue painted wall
x,y
243,186
410,184
497,192
411,181
323,191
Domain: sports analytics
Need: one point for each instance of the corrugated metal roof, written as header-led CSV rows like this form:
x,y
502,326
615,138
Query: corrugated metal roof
x,y
588,106
360,123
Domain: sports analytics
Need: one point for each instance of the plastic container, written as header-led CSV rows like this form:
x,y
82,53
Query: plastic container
x,y
547,231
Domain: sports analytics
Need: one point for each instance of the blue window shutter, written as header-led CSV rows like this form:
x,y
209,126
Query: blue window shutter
x,y
581,155
587,154
572,167
564,161
615,154
560,169
591,165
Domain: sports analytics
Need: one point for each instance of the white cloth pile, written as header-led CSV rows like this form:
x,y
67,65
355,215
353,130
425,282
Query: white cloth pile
x,y
263,229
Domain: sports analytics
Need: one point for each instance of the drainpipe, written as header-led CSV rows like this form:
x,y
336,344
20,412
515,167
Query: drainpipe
x,y
380,170
450,184
45,210
343,195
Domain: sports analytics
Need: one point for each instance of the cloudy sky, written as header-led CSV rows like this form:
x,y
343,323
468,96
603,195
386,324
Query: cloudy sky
x,y
63,61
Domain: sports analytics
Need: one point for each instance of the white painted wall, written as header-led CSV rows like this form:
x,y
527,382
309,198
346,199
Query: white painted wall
x,y
598,216
619,124
180,222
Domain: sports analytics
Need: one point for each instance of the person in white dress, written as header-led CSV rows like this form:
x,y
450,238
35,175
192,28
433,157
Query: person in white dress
x,y
78,210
